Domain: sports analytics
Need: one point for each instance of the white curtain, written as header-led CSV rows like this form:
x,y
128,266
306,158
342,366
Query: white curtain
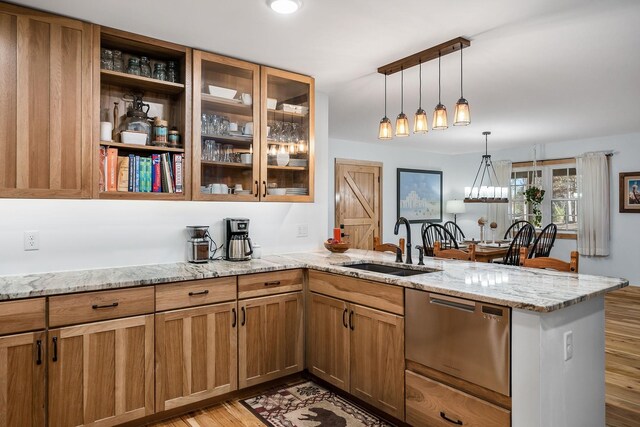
x,y
499,212
593,204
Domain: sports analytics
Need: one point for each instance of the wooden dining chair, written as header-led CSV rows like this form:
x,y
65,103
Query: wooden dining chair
x,y
433,233
388,247
550,263
544,242
469,255
453,228
514,228
521,240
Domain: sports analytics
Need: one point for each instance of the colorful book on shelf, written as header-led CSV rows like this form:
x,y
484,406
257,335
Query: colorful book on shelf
x,y
103,163
132,171
136,180
123,173
156,175
177,168
112,169
147,174
167,178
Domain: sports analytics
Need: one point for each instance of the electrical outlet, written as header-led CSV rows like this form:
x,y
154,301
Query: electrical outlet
x,y
568,345
303,230
31,240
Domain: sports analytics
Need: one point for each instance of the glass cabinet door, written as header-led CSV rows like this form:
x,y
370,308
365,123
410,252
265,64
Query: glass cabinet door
x,y
226,127
287,136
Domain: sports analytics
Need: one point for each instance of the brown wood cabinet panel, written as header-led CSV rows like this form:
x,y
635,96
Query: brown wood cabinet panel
x,y
100,305
101,373
431,403
271,341
45,112
22,316
262,284
377,358
328,340
195,292
22,380
196,354
371,294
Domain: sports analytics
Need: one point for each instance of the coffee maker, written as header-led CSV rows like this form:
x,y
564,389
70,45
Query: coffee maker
x,y
199,243
236,239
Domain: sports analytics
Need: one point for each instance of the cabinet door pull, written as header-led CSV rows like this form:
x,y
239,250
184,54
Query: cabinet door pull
x,y
55,349
444,416
235,317
39,346
244,316
351,320
344,318
277,282
205,292
257,188
265,188
97,307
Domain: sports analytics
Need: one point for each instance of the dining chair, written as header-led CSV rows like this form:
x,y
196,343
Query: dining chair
x,y
436,232
544,242
388,247
514,228
521,240
550,263
469,255
453,228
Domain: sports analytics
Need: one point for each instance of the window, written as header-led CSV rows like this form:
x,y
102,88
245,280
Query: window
x,y
560,204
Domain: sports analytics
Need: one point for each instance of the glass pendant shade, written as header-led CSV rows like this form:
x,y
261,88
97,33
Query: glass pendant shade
x,y
440,118
402,125
462,116
384,130
420,122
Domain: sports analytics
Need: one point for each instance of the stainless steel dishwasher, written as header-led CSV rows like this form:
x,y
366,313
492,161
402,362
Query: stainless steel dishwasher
x,y
467,339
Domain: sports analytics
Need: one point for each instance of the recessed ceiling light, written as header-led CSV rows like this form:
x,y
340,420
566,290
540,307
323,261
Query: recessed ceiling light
x,y
285,6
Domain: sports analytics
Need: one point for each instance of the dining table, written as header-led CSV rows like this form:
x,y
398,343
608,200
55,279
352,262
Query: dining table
x,y
488,251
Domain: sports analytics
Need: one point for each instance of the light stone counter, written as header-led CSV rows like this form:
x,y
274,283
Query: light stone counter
x,y
523,288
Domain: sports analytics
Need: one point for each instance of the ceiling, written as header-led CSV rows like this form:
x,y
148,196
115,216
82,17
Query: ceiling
x,y
537,71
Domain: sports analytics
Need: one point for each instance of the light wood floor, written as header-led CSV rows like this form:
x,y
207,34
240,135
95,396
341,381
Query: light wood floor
x,y
227,414
622,331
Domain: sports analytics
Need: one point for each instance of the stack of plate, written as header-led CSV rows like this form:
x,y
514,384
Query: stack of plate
x,y
298,162
297,191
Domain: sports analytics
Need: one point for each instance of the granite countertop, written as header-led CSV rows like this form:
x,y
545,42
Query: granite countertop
x,y
516,287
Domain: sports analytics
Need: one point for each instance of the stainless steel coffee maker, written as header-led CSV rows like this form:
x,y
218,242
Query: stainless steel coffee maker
x,y
199,243
236,239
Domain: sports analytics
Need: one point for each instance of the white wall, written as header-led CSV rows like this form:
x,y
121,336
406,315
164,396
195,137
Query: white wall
x,y
459,171
81,234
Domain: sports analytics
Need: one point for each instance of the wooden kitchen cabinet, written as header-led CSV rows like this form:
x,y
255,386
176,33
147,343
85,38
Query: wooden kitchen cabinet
x,y
22,380
196,354
101,373
45,107
271,341
328,340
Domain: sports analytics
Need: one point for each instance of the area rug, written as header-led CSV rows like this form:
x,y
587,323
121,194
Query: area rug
x,y
309,405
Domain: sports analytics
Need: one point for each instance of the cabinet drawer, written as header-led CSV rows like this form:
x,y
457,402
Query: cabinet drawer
x,y
101,305
195,292
22,316
377,295
431,403
276,282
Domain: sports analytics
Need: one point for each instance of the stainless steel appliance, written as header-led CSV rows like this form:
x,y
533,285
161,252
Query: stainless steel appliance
x,y
237,242
463,338
199,243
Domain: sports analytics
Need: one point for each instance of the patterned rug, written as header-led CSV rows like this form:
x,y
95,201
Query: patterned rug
x,y
309,405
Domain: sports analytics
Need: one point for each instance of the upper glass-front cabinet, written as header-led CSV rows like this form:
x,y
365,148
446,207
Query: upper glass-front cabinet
x,y
287,136
226,128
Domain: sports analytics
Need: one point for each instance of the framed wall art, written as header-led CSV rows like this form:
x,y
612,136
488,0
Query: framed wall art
x,y
630,192
419,195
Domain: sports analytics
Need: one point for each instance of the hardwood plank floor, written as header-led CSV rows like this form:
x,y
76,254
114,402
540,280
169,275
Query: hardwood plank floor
x,y
226,414
622,376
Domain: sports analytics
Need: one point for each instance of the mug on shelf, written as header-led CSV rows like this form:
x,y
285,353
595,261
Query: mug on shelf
x,y
248,128
246,158
246,98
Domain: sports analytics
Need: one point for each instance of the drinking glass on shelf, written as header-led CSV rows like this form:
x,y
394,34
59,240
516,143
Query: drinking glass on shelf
x,y
224,125
106,59
217,152
205,124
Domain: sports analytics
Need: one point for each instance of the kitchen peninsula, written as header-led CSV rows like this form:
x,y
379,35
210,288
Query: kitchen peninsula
x,y
544,306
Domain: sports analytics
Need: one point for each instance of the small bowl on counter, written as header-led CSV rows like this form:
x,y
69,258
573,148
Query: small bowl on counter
x,y
337,248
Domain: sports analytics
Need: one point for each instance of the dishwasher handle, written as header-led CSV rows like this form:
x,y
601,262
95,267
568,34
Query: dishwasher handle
x,y
455,303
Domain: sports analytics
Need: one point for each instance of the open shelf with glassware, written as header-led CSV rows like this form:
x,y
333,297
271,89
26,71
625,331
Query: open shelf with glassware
x,y
142,88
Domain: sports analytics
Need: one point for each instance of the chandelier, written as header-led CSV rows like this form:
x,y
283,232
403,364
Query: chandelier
x,y
488,189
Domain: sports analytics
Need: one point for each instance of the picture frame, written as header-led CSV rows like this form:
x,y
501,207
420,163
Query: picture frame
x,y
629,193
419,195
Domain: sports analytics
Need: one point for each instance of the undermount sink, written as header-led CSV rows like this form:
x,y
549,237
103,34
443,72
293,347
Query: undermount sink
x,y
389,269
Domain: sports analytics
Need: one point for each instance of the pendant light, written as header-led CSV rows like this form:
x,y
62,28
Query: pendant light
x,y
440,113
402,122
488,189
420,121
384,130
461,115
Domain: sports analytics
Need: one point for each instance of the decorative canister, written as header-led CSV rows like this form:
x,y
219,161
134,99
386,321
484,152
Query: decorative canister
x,y
134,66
145,67
160,71
159,131
172,72
174,138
